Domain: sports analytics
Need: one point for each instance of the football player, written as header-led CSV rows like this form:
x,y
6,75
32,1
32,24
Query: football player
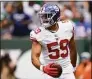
x,y
55,41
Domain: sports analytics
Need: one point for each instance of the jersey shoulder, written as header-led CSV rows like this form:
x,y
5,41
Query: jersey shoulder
x,y
66,24
36,34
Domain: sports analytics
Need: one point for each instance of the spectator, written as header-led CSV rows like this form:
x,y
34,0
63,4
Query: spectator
x,y
5,20
83,71
66,13
31,8
20,21
80,26
28,9
82,18
7,67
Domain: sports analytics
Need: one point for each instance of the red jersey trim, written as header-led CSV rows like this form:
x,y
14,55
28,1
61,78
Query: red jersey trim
x,y
33,39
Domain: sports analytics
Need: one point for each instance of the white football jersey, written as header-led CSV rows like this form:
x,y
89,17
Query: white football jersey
x,y
55,46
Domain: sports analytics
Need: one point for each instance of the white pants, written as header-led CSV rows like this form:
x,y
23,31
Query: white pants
x,y
63,76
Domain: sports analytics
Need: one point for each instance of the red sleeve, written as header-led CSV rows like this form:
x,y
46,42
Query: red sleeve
x,y
33,39
34,33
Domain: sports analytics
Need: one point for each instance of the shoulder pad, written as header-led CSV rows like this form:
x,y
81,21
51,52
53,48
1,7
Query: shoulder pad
x,y
33,36
37,30
37,34
71,26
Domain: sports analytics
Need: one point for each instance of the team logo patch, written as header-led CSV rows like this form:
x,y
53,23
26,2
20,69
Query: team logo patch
x,y
37,30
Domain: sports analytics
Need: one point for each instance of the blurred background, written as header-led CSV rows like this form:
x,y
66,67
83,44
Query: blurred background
x,y
19,18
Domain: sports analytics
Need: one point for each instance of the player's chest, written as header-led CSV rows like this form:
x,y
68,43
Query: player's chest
x,y
50,37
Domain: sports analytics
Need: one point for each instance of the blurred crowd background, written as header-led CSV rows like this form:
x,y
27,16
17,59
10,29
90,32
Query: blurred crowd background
x,y
18,19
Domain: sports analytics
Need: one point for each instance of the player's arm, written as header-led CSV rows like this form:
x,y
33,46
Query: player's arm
x,y
73,52
36,51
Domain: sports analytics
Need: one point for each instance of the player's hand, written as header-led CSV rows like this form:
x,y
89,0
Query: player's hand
x,y
50,71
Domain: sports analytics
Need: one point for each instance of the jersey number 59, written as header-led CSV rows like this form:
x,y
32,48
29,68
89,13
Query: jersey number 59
x,y
63,46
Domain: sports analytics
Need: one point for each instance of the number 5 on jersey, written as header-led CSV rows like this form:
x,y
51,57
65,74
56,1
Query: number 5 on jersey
x,y
63,46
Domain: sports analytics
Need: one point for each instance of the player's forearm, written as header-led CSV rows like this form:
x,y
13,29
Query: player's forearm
x,y
73,52
36,62
73,58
